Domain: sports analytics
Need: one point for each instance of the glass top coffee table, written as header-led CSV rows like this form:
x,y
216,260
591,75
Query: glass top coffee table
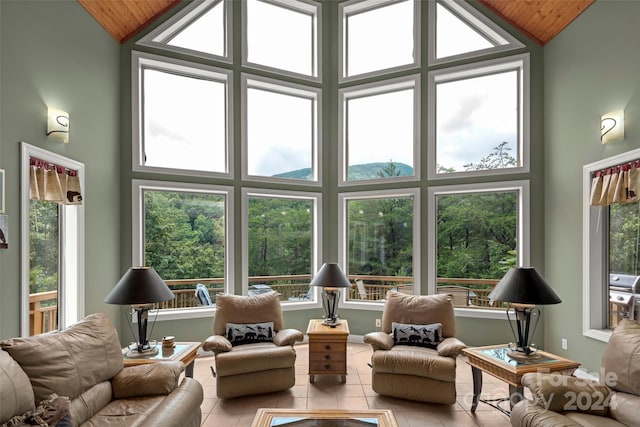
x,y
271,417
495,360
185,352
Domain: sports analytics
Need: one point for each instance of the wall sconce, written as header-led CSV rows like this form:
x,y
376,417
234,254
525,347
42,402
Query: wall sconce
x,y
58,124
612,127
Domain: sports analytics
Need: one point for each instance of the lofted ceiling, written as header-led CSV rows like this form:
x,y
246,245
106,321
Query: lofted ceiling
x,y
540,20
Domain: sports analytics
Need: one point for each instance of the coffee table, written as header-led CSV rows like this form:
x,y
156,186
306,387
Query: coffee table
x,y
270,417
495,361
185,352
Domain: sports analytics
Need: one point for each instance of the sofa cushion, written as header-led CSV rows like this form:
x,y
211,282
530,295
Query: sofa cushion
x,y
419,310
16,394
419,335
247,333
621,358
70,361
415,361
247,309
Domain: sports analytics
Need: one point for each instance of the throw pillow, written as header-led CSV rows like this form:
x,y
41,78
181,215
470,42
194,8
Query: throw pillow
x,y
247,333
418,335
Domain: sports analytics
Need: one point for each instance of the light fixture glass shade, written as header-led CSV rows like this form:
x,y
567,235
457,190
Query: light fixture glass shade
x,y
523,288
331,278
140,287
612,127
58,124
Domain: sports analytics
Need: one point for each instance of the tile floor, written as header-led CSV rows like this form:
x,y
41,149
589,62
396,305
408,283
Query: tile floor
x,y
327,392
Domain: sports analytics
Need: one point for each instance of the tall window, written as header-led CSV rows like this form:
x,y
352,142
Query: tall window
x,y
183,117
184,233
481,121
612,244
52,285
282,243
345,108
480,232
380,234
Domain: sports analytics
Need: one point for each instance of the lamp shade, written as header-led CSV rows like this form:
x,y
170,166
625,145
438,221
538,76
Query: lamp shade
x,y
523,285
330,276
139,285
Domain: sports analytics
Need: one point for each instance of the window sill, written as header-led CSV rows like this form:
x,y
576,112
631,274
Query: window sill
x,y
598,334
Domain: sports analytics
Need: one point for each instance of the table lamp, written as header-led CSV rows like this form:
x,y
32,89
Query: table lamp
x,y
330,278
523,288
140,287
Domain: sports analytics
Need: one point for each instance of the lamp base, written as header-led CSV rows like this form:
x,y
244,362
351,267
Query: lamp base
x,y
521,355
151,351
331,323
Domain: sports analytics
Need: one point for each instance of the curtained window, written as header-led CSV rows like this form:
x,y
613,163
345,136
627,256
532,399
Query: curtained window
x,y
54,183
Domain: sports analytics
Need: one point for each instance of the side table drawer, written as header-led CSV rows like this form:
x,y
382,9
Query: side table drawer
x,y
327,356
327,347
327,367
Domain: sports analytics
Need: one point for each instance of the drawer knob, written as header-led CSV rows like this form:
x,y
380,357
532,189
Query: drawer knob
x,y
327,367
327,357
327,347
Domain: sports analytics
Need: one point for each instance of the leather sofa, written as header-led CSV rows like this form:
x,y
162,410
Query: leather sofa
x,y
81,369
614,401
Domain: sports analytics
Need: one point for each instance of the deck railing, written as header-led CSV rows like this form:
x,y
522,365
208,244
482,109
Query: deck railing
x,y
43,307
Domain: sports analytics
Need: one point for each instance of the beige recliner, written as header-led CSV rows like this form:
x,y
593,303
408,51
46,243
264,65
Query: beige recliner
x,y
614,401
254,354
414,356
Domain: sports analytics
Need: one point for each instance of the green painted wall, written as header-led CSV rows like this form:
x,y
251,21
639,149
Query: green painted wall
x,y
53,53
591,68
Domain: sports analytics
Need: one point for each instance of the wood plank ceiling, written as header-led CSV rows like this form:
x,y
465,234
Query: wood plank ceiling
x,y
540,20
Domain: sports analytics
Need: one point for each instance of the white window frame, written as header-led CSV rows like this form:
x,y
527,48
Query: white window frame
x,y
71,284
308,7
316,199
160,36
523,232
343,229
358,6
141,60
378,88
474,19
595,264
519,63
290,89
138,187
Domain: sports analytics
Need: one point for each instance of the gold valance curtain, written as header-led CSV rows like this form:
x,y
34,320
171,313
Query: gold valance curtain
x,y
54,183
617,184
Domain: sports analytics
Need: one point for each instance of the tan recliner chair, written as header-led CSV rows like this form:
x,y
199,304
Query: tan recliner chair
x,y
614,401
414,356
254,354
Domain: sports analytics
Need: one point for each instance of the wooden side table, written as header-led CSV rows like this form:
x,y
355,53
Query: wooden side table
x,y
185,352
327,349
495,361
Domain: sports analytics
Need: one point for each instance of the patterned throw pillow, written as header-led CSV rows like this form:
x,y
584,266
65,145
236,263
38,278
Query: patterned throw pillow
x,y
419,335
247,333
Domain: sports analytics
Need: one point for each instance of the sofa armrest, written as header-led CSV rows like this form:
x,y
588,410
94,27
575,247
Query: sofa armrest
x,y
146,380
450,347
180,408
379,340
526,413
561,393
216,343
287,337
